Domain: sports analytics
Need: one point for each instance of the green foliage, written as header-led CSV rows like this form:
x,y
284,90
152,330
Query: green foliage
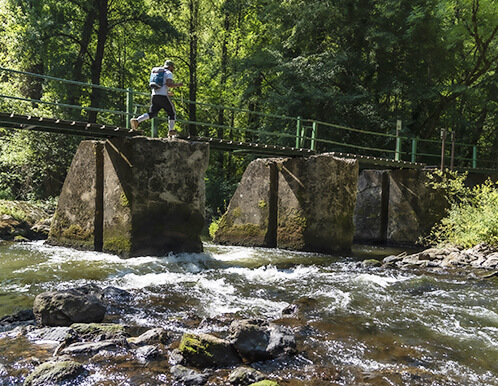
x,y
363,64
16,214
219,191
473,215
33,165
213,227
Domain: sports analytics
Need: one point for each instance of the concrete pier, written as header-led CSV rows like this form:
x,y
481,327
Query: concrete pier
x,y
300,203
133,197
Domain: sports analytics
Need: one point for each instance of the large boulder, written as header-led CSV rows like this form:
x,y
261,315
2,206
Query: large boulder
x,y
293,203
204,350
63,308
257,340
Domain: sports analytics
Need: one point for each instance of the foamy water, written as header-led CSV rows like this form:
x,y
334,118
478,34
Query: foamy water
x,y
360,321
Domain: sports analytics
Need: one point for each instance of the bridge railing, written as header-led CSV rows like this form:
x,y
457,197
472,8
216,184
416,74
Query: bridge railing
x,y
35,94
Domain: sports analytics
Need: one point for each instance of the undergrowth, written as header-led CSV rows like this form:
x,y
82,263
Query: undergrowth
x,y
473,214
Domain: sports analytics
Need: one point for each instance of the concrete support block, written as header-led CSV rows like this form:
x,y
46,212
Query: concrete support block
x,y
414,207
396,206
317,197
294,203
372,202
151,193
250,219
77,222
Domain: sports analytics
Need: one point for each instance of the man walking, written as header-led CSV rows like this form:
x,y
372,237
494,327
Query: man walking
x,y
160,96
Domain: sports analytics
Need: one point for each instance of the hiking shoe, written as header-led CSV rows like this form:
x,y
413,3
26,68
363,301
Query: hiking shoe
x,y
172,133
134,123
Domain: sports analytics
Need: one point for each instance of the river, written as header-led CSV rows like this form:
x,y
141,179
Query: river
x,y
355,325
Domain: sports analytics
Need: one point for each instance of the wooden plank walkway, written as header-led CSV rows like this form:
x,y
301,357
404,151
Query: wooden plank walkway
x,y
62,126
94,130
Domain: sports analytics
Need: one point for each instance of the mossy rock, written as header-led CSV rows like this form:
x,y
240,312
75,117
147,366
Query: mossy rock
x,y
266,382
118,245
94,330
51,373
206,350
371,263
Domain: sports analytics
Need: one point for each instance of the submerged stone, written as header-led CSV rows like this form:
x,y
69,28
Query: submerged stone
x,y
186,376
91,347
244,376
152,336
100,331
265,382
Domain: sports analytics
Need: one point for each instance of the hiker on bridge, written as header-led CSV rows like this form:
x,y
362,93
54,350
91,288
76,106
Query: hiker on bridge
x,y
161,80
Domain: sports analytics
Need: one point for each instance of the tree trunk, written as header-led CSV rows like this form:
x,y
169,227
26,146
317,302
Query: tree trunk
x,y
86,35
192,109
103,30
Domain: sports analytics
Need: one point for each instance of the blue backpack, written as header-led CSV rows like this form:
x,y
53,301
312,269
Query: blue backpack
x,y
157,77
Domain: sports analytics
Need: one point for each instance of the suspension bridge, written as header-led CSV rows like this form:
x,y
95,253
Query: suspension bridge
x,y
249,131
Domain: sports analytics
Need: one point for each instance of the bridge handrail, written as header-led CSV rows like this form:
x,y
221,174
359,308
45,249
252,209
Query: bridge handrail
x,y
63,80
300,135
76,107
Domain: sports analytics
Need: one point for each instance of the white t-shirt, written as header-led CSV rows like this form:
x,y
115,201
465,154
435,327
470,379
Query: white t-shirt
x,y
163,90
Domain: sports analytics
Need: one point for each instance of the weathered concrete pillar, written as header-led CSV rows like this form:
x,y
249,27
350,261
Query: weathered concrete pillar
x,y
77,222
372,205
317,197
251,217
396,206
414,207
152,193
313,212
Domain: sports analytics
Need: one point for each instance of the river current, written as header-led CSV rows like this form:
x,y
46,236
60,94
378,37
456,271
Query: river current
x,y
354,325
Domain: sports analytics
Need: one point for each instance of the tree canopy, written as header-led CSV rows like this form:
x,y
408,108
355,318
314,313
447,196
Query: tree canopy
x,y
359,63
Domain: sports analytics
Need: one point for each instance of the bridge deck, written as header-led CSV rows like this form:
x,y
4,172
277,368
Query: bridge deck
x,y
94,130
62,126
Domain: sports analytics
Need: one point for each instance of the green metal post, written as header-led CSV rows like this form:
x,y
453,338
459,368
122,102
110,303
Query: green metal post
x,y
414,149
313,135
129,106
443,144
303,134
398,141
474,157
298,132
153,128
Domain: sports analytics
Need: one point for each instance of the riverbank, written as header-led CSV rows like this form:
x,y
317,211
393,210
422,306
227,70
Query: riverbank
x,y
23,221
479,257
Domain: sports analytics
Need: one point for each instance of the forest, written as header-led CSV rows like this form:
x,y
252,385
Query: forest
x,y
359,63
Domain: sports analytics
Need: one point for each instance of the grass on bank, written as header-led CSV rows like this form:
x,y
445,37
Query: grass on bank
x,y
473,214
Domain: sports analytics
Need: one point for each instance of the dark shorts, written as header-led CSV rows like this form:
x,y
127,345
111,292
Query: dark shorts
x,y
158,102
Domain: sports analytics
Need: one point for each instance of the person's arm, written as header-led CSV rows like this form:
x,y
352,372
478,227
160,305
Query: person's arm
x,y
170,84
